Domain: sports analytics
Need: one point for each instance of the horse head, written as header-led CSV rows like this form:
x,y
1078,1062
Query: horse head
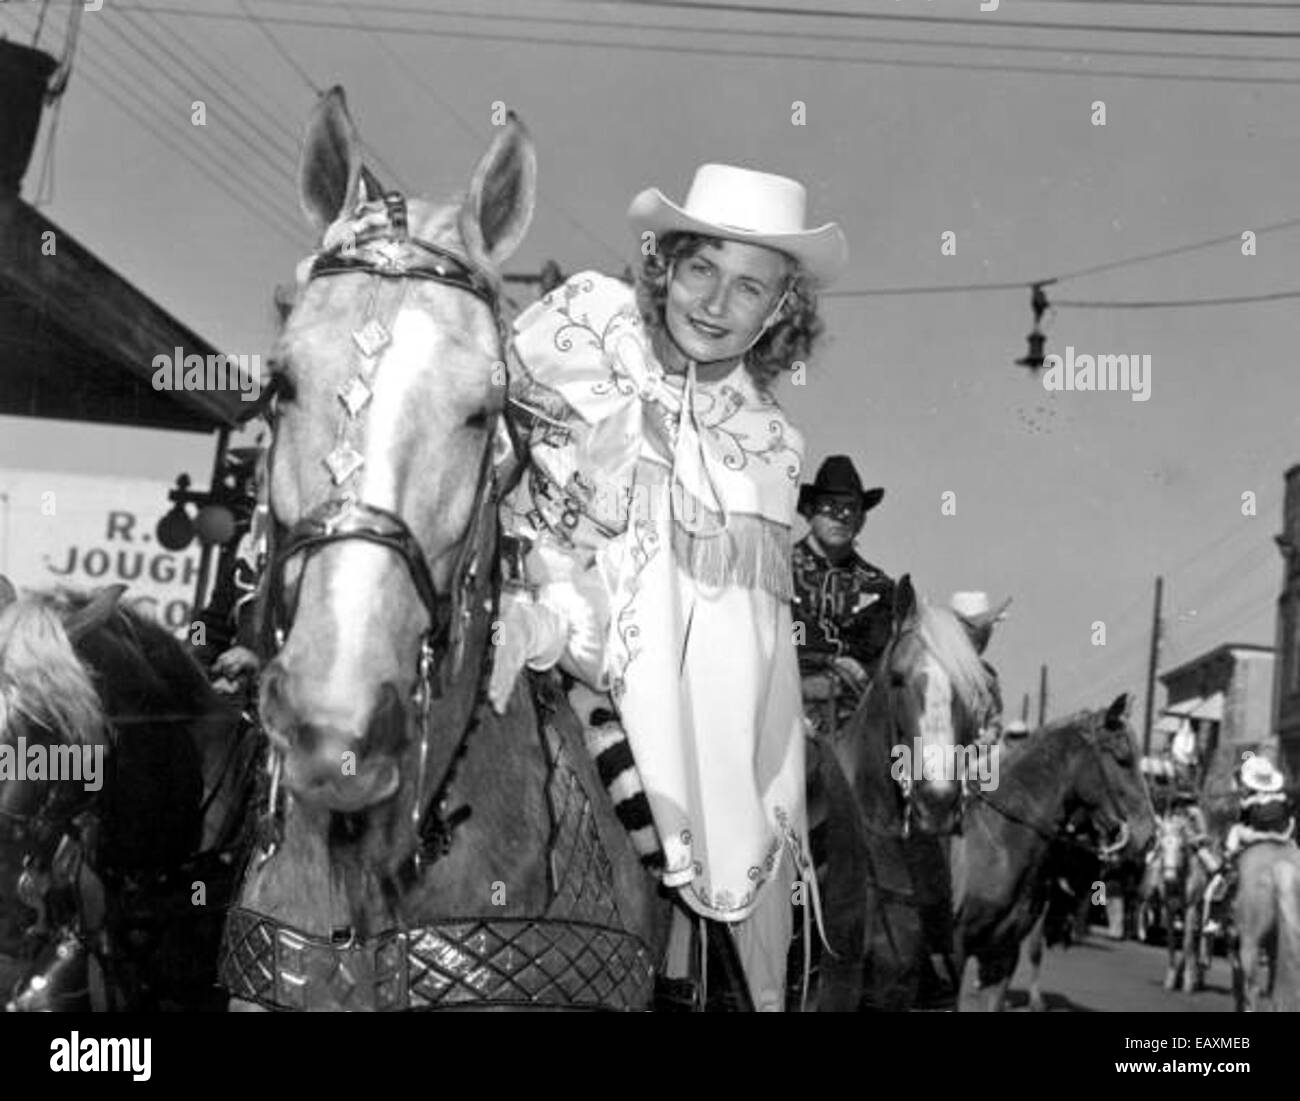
x,y
48,701
388,384
1110,783
1171,843
938,693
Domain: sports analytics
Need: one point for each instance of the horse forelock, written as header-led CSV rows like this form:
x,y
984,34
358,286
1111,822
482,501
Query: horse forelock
x,y
948,643
41,678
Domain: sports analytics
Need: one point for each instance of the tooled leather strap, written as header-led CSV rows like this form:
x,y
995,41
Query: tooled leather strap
x,y
471,963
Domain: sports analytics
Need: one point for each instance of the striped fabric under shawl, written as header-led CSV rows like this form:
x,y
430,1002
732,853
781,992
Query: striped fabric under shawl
x,y
609,748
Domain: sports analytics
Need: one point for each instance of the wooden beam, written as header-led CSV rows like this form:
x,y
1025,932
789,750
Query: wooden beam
x,y
94,304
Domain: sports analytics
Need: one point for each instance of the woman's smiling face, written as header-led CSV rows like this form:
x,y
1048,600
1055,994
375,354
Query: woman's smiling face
x,y
719,298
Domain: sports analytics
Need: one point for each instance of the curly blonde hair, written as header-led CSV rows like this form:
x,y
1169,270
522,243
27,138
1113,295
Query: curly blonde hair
x,y
789,341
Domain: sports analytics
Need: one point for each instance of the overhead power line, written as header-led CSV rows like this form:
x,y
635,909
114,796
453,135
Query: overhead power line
x,y
1079,273
217,179
228,148
807,36
949,21
744,54
260,23
1258,5
468,127
1178,304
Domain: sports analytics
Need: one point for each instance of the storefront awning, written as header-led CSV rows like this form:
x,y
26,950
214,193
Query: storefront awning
x,y
1184,708
1211,709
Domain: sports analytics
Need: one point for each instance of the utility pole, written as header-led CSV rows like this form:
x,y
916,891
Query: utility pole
x,y
1042,696
1151,668
1024,709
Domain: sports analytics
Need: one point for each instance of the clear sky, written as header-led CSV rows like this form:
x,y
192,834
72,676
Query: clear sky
x,y
1071,502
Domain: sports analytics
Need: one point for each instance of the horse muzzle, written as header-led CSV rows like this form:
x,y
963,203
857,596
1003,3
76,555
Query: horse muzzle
x,y
327,781
936,806
338,757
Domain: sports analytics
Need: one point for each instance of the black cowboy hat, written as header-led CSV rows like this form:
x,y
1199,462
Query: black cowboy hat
x,y
838,476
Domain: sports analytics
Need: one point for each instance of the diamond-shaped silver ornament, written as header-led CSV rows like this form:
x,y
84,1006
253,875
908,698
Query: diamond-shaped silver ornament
x,y
344,461
354,395
372,337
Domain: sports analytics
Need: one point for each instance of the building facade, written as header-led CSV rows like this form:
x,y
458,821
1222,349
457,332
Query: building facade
x,y
1286,693
1227,696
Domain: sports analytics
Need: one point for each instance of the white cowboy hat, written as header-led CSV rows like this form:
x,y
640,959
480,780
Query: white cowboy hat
x,y
739,204
1260,774
975,608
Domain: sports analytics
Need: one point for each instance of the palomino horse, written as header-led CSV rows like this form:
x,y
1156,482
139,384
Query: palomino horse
x,y
420,851
883,870
1266,917
113,876
998,885
1175,887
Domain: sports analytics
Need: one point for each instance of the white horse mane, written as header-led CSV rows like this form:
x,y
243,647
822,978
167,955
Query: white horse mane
x,y
947,640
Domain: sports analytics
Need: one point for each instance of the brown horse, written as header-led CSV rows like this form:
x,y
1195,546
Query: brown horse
x,y
125,874
1072,876
420,851
1266,913
998,885
879,823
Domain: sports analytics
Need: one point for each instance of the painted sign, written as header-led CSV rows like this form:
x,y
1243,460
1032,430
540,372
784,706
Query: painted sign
x,y
84,532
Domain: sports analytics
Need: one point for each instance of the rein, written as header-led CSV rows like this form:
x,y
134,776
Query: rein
x,y
905,784
1057,836
390,253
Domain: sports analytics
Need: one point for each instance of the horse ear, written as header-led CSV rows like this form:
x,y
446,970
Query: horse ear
x,y
1118,710
904,599
370,188
101,606
502,194
8,594
329,170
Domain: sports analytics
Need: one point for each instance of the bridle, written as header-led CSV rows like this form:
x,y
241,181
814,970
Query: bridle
x,y
43,823
904,784
1092,741
390,253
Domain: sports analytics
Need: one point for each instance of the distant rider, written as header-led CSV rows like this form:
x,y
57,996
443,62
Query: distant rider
x,y
843,605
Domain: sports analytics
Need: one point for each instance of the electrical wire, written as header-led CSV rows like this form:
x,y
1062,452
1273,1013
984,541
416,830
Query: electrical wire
x,y
471,130
752,55
231,153
806,36
216,179
212,169
274,171
946,20
1079,273
244,82
1178,304
260,24
276,145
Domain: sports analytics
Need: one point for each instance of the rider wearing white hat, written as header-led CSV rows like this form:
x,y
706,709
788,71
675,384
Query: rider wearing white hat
x,y
1264,815
1264,812
660,500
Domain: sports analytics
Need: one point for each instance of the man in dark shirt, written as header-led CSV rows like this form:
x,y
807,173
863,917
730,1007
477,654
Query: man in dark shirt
x,y
843,605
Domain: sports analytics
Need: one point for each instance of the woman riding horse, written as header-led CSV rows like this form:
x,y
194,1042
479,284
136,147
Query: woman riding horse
x,y
659,509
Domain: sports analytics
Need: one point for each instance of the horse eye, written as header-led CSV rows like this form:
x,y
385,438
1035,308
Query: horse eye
x,y
477,420
896,679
